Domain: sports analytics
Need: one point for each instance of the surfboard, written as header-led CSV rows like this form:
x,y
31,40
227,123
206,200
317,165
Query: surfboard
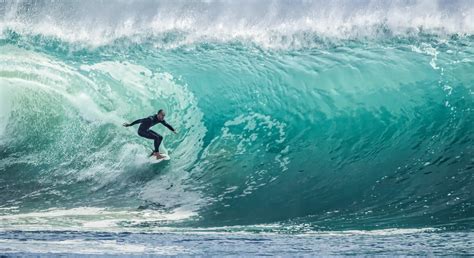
x,y
153,159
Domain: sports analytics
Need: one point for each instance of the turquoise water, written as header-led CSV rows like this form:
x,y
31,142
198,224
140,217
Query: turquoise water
x,y
348,122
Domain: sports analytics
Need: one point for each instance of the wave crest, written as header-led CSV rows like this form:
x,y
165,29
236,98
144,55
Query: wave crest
x,y
272,24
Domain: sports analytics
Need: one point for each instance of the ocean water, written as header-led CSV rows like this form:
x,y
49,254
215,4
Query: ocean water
x,y
305,127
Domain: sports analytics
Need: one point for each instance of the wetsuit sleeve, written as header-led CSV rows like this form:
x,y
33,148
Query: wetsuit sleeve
x,y
167,125
137,122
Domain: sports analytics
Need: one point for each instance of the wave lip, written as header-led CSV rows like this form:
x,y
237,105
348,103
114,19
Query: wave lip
x,y
268,23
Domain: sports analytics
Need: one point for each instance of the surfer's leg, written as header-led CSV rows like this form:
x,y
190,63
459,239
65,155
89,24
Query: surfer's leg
x,y
146,134
149,134
158,138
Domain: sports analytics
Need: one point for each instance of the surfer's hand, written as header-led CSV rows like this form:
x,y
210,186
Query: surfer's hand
x,y
175,132
126,124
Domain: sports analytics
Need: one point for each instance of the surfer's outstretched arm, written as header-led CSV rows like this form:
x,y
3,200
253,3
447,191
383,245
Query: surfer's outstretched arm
x,y
168,126
134,122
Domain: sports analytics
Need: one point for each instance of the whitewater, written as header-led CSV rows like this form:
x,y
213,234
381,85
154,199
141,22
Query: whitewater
x,y
305,127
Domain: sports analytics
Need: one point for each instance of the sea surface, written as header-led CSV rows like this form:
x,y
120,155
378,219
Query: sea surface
x,y
304,127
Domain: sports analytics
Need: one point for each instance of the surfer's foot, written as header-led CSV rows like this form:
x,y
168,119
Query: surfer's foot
x,y
158,155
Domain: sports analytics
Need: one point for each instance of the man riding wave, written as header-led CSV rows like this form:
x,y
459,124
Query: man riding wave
x,y
145,131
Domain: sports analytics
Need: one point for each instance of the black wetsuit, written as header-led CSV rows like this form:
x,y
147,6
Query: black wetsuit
x,y
144,129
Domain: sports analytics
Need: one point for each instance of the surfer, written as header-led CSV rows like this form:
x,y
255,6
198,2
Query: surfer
x,y
144,129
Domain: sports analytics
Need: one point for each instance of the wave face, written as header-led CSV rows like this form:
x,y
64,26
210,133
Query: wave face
x,y
349,114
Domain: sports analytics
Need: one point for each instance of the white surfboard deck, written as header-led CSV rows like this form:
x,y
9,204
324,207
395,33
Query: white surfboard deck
x,y
153,159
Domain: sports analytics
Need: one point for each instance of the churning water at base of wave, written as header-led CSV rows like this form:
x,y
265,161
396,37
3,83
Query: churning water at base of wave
x,y
225,242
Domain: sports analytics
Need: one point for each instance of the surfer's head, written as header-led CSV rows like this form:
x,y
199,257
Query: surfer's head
x,y
160,114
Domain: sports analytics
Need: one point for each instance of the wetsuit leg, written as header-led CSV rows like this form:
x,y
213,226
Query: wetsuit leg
x,y
150,134
158,139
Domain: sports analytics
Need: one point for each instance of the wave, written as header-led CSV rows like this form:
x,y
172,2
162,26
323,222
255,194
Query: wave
x,y
274,24
365,133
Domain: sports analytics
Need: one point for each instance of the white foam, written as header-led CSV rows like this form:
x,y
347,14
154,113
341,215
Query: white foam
x,y
88,218
379,232
269,23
